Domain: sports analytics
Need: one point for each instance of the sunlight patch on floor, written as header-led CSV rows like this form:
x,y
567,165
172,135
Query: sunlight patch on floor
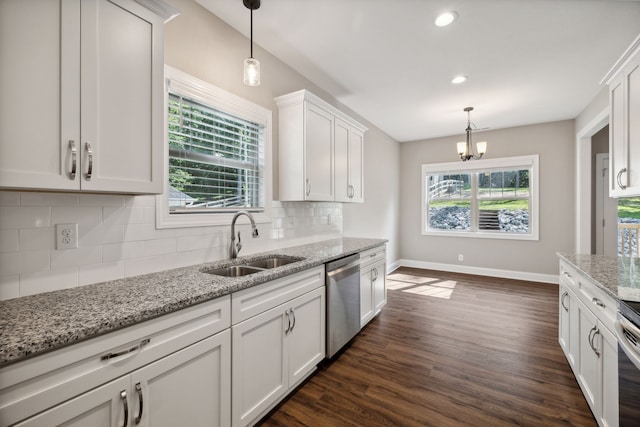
x,y
426,286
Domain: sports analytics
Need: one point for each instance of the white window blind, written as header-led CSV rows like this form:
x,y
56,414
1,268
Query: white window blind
x,y
216,160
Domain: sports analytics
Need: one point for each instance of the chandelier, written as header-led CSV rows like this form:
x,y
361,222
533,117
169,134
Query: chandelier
x,y
465,149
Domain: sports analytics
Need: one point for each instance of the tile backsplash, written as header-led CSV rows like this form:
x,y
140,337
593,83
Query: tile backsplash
x,y
117,238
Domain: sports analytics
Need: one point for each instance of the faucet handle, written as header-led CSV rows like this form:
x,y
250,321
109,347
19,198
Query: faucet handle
x,y
255,232
239,244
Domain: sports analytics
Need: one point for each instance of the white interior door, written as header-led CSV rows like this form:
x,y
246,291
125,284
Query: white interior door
x,y
606,210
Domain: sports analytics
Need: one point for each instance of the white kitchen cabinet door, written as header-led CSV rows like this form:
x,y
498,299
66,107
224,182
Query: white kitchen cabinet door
x,y
366,295
348,170
191,386
564,331
106,406
259,364
40,102
608,347
379,287
588,363
318,155
624,124
82,105
306,339
121,97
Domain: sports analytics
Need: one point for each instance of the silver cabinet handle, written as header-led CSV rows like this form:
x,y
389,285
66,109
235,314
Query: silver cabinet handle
x,y
593,342
619,178
350,191
139,416
126,351
286,313
597,302
566,273
90,166
374,274
294,318
308,187
74,159
564,295
125,405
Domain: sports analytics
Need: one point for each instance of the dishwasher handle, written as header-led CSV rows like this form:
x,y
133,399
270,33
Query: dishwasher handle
x,y
342,264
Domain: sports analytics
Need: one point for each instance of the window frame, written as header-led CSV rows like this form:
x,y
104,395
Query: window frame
x,y
226,102
500,164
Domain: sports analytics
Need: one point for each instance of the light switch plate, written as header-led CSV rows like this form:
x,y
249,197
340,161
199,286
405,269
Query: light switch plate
x,y
66,236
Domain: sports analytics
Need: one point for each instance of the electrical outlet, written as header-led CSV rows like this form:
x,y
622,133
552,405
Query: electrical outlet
x,y
460,257
66,236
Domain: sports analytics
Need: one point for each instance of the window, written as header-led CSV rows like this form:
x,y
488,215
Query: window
x,y
495,198
217,155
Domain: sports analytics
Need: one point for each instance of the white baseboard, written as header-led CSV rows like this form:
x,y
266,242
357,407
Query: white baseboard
x,y
481,271
393,266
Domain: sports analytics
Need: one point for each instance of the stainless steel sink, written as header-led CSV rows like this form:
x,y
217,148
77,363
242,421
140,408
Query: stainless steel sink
x,y
272,262
234,271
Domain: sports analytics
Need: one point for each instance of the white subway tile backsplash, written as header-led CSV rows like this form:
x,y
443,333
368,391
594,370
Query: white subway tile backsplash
x,y
24,216
37,238
121,251
9,287
82,215
76,257
32,261
118,238
97,273
159,247
123,215
47,281
102,200
9,241
100,234
48,199
9,198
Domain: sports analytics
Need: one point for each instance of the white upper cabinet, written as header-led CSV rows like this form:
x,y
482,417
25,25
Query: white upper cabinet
x,y
82,105
321,151
624,123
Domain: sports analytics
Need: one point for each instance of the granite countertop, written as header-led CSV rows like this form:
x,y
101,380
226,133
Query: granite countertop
x,y
39,323
617,276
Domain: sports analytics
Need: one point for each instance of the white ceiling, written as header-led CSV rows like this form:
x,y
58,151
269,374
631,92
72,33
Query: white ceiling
x,y
528,61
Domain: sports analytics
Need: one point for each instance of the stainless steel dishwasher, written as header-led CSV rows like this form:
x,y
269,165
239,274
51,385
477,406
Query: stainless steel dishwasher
x,y
343,302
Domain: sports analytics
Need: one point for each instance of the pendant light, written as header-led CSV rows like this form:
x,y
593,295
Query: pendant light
x,y
465,149
251,65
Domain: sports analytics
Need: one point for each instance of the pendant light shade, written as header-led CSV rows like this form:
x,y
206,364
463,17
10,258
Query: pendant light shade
x,y
465,148
251,65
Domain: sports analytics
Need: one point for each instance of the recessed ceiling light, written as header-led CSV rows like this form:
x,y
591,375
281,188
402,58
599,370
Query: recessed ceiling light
x,y
446,18
459,79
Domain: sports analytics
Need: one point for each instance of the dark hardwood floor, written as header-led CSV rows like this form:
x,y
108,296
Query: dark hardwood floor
x,y
447,350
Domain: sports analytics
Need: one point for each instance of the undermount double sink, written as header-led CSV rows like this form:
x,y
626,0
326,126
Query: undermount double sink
x,y
251,267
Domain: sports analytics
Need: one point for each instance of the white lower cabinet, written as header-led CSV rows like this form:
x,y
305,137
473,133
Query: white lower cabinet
x,y
585,325
190,386
170,371
277,348
373,287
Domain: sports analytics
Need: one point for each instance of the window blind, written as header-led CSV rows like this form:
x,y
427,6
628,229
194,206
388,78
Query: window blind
x,y
215,159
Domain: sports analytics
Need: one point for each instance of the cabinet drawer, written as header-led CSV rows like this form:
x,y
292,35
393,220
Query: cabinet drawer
x,y
597,301
37,384
372,256
255,300
568,275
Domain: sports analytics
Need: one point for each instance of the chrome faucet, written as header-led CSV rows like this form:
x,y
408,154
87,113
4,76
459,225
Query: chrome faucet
x,y
234,248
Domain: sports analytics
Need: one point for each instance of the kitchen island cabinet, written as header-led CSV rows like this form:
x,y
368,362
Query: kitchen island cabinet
x,y
586,322
82,96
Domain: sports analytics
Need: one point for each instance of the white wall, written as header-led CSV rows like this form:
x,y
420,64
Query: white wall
x,y
534,260
117,233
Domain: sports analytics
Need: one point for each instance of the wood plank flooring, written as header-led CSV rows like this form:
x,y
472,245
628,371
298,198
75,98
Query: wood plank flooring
x,y
447,350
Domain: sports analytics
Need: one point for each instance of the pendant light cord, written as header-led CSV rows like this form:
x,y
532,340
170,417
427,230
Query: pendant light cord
x,y
251,55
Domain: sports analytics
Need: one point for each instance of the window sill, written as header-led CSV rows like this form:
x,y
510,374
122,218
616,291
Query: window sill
x,y
482,235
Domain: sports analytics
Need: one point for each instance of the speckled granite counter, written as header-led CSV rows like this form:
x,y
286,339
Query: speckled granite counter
x,y
618,276
39,323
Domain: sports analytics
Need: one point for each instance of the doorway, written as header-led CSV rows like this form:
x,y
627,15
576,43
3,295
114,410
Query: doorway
x,y
606,210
